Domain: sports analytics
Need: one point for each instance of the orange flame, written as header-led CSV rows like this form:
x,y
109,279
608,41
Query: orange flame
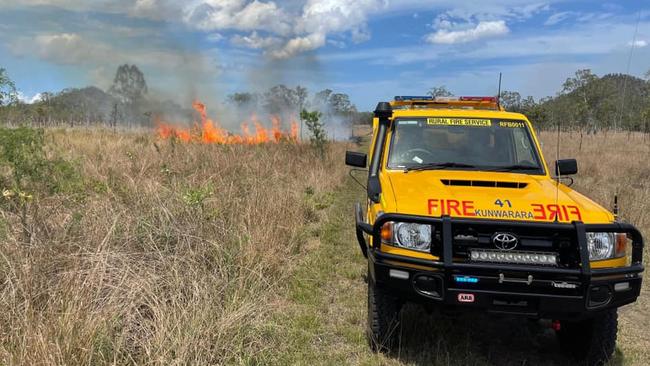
x,y
210,132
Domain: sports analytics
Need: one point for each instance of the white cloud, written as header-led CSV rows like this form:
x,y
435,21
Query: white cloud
x,y
214,37
240,15
335,15
293,29
298,45
558,17
442,22
484,29
593,17
639,43
320,18
29,100
529,10
467,21
486,10
580,17
255,41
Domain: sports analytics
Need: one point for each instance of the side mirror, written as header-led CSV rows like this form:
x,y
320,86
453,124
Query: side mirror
x,y
566,167
356,159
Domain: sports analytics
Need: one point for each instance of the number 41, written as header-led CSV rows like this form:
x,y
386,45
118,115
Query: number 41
x,y
500,203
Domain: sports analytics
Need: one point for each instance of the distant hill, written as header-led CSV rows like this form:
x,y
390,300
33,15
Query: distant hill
x,y
613,100
590,102
126,104
89,105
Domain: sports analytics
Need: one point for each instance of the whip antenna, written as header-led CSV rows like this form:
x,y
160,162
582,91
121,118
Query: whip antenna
x,y
499,94
557,172
627,72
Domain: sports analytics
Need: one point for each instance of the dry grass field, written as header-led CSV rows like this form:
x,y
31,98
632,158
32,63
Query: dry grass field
x,y
161,253
610,163
157,252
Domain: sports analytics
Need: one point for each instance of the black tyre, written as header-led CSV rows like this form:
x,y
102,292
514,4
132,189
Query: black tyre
x,y
590,341
383,319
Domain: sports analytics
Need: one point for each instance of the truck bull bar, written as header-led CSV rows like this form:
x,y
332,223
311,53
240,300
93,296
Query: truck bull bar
x,y
446,262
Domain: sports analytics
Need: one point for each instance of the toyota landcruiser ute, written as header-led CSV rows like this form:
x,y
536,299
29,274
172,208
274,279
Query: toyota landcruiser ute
x,y
463,213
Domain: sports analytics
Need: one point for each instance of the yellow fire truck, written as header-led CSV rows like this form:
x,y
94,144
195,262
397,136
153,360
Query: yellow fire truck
x,y
463,212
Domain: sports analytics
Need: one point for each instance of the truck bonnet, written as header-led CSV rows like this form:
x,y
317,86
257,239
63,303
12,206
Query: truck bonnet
x,y
483,195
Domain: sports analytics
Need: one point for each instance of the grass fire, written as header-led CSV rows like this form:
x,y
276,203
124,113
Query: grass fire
x,y
209,132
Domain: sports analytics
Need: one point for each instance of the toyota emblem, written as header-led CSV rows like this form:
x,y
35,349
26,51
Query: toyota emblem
x,y
505,241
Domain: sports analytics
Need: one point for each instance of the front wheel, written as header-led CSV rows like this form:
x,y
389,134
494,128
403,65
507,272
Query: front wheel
x,y
592,340
383,319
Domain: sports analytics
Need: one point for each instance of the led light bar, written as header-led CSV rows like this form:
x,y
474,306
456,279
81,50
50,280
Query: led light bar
x,y
513,256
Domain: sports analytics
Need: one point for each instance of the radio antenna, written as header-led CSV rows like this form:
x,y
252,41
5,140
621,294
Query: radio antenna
x,y
557,172
627,72
499,94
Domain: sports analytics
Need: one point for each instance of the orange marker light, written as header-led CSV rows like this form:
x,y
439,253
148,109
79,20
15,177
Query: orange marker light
x,y
621,244
387,232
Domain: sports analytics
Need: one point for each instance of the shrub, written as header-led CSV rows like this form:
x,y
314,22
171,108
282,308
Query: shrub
x,y
26,172
318,138
23,155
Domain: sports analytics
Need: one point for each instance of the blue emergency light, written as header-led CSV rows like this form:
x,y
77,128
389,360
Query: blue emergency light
x,y
466,279
404,98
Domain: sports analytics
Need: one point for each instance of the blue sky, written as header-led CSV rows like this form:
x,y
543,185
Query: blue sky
x,y
370,49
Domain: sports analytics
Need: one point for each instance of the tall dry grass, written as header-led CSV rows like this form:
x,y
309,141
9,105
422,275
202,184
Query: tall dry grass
x,y
167,253
608,164
164,253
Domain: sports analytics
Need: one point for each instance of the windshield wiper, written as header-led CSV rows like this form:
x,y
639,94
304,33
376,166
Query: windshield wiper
x,y
510,168
438,166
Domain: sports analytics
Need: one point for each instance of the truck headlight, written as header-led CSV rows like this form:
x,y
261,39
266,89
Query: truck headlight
x,y
606,245
407,235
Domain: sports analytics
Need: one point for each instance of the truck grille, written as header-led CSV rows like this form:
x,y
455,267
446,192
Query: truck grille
x,y
468,237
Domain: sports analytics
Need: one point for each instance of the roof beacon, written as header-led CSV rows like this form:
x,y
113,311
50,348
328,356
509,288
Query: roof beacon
x,y
464,102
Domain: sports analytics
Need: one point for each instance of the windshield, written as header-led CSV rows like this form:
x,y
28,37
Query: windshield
x,y
463,143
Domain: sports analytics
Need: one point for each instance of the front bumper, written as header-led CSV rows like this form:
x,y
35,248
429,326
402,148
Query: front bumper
x,y
528,290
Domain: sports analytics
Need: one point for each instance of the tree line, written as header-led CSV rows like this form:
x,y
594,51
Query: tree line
x,y
585,102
